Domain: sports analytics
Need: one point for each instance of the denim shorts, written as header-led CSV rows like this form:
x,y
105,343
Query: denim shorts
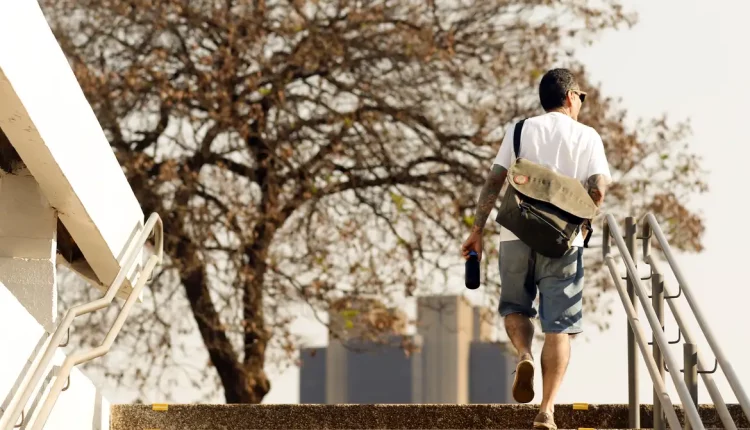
x,y
558,280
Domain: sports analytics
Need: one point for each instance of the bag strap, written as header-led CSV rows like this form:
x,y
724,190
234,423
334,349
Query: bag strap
x,y
529,283
589,233
517,137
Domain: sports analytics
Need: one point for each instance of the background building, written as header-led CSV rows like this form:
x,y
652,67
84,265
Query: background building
x,y
455,359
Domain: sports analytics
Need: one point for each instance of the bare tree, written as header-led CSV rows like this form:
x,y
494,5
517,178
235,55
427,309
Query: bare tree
x,y
301,151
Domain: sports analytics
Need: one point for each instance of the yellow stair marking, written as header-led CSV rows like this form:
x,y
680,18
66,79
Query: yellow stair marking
x,y
160,407
581,407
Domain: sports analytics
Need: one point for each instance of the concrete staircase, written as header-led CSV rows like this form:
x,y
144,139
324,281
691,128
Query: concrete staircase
x,y
383,416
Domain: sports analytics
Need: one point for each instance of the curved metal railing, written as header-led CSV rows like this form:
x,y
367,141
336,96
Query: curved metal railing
x,y
36,371
661,357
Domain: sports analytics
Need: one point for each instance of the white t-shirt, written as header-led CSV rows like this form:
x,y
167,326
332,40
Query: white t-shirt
x,y
560,143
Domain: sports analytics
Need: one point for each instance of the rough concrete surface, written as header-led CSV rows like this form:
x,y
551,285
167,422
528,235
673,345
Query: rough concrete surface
x,y
382,416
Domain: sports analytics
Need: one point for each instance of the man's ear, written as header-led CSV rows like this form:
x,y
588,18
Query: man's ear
x,y
569,99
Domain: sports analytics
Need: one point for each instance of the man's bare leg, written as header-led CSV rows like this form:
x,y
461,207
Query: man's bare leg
x,y
555,358
521,332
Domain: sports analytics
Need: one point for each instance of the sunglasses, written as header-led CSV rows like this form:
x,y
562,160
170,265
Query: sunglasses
x,y
581,94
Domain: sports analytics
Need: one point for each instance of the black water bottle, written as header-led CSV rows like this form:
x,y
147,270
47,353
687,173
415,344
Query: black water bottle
x,y
472,271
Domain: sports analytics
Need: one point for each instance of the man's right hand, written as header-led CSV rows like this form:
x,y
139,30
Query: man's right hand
x,y
473,243
487,198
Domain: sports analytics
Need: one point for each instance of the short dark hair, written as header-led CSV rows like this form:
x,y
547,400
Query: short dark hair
x,y
554,87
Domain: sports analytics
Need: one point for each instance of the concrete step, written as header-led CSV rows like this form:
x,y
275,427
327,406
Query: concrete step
x,y
385,416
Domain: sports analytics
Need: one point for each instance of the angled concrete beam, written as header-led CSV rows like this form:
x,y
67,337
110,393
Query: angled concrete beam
x,y
49,122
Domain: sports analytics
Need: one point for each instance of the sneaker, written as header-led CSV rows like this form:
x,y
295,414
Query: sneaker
x,y
523,385
545,420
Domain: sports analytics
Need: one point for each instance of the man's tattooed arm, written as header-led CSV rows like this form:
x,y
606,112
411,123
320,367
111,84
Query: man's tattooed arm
x,y
597,187
488,196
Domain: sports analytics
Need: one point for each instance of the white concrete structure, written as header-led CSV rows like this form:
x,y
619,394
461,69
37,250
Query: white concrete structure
x,y
28,243
63,199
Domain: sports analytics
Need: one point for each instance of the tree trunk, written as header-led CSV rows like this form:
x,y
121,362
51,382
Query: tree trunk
x,y
256,336
239,381
213,332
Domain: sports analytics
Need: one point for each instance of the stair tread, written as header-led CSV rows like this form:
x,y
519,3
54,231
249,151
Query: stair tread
x,y
386,416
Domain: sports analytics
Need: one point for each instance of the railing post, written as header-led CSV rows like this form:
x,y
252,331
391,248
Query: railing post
x,y
606,240
690,350
634,405
657,300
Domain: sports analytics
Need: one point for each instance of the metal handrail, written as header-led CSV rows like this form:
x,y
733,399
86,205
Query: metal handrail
x,y
690,409
26,388
726,368
713,391
640,336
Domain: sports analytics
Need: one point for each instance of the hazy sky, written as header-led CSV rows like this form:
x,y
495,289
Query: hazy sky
x,y
687,58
